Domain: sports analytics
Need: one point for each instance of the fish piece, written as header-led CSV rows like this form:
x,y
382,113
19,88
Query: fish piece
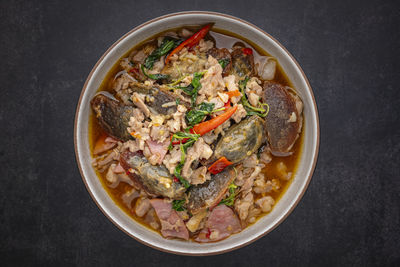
x,y
211,192
112,115
284,120
155,180
242,63
224,56
157,98
241,140
221,223
171,224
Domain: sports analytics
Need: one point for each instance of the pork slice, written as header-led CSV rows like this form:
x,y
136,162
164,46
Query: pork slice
x,y
171,224
158,148
221,223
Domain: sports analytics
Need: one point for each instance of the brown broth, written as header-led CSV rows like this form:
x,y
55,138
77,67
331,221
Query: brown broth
x,y
222,38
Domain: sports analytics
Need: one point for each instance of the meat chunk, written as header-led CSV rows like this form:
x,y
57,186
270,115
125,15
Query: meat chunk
x,y
221,223
265,203
284,120
142,206
171,224
224,58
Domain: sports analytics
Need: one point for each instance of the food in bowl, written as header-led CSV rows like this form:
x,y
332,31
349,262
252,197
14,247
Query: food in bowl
x,y
195,133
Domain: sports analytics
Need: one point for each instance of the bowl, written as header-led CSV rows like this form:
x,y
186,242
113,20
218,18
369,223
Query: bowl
x,y
289,199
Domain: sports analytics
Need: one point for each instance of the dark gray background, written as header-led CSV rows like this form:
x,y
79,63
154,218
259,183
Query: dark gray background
x,y
348,216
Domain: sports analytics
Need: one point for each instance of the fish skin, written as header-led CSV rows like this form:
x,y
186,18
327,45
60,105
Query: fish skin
x,y
241,140
242,64
211,192
155,180
112,116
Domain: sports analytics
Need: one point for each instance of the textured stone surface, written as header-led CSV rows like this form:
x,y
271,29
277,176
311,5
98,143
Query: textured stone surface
x,y
348,49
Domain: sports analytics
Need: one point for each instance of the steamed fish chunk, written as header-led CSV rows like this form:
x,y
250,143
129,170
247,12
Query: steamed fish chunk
x,y
157,99
155,180
242,63
112,115
284,120
211,192
241,140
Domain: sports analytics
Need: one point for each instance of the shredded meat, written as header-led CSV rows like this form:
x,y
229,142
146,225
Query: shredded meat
x,y
142,206
199,176
200,150
265,203
243,204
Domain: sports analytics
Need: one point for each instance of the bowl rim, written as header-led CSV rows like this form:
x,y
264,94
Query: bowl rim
x,y
314,106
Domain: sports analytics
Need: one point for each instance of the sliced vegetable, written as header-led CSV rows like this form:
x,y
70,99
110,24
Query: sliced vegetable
x,y
207,126
219,165
233,93
190,42
178,204
230,200
259,111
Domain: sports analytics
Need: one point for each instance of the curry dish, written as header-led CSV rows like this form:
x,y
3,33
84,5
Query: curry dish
x,y
196,133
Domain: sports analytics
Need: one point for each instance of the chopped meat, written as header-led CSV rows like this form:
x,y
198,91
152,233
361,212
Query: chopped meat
x,y
265,203
171,224
152,220
178,120
142,206
159,150
200,150
239,114
243,204
129,196
261,186
139,102
250,162
103,144
159,133
265,156
221,223
282,170
204,46
194,222
199,176
248,183
222,55
212,80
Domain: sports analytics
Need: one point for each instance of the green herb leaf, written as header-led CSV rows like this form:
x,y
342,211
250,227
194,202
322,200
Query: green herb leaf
x,y
223,62
259,111
156,77
178,204
177,172
193,88
166,45
230,200
195,116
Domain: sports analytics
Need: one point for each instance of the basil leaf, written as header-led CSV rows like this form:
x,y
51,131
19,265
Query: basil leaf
x,y
223,62
156,77
230,200
195,116
260,111
193,88
178,204
166,45
177,172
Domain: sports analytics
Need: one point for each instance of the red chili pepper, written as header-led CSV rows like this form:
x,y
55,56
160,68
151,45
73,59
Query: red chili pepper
x,y
176,179
247,51
207,126
136,70
233,93
208,233
191,41
227,104
219,165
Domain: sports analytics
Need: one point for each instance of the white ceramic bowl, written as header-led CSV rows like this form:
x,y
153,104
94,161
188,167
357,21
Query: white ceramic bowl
x,y
310,145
